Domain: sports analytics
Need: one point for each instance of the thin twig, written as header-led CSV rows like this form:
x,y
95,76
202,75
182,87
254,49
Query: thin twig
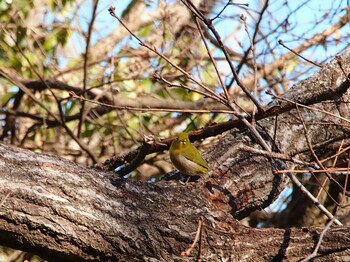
x,y
255,66
32,96
162,79
154,50
336,154
319,242
312,198
345,183
140,109
257,29
187,252
271,154
209,24
333,165
227,96
235,111
308,141
274,146
299,55
28,92
342,170
88,38
311,108
255,133
329,176
229,2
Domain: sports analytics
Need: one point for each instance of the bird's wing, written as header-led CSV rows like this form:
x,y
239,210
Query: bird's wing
x,y
195,154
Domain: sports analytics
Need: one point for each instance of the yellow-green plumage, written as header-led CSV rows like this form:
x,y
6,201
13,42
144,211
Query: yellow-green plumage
x,y
185,157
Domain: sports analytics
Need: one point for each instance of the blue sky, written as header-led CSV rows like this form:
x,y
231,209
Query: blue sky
x,y
299,23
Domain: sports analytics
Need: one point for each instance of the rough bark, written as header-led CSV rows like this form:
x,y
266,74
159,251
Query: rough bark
x,y
66,212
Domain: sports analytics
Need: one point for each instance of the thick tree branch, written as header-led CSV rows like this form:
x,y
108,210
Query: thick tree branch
x,y
63,211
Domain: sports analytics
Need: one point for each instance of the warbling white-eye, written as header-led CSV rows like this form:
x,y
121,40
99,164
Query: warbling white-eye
x,y
185,157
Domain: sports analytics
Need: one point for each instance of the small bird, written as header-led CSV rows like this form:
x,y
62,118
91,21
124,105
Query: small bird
x,y
186,157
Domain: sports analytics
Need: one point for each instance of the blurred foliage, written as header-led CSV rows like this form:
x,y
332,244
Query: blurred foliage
x,y
9,254
46,40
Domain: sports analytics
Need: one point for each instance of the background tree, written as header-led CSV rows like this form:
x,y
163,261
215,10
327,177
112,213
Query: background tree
x,y
80,83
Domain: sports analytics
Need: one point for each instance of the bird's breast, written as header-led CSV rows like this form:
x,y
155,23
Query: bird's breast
x,y
185,165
